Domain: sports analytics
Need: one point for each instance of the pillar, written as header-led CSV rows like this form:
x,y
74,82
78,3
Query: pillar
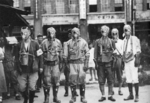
x,y
37,18
83,19
21,4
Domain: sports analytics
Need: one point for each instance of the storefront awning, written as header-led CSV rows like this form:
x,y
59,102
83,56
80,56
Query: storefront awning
x,y
12,16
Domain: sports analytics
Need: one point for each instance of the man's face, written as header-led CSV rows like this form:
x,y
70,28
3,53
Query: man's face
x,y
127,32
40,39
25,34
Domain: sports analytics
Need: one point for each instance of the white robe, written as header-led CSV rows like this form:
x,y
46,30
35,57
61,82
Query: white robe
x,y
131,72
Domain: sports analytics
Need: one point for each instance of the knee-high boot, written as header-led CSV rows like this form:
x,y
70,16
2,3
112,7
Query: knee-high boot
x,y
136,86
46,95
130,97
73,92
31,96
25,96
82,93
55,91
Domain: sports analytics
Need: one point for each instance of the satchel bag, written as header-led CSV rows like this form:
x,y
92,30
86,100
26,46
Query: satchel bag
x,y
137,60
129,56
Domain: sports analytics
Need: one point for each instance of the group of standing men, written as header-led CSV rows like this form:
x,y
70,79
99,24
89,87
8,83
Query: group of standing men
x,y
74,56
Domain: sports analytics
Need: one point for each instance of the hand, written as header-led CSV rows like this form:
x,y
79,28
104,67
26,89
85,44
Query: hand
x,y
41,70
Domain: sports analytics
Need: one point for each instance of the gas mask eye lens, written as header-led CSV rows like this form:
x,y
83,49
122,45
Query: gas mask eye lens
x,y
125,30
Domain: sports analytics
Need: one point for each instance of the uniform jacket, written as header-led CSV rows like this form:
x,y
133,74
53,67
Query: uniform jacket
x,y
103,51
76,50
52,50
33,62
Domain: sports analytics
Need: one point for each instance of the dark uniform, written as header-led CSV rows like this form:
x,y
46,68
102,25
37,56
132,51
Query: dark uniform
x,y
103,55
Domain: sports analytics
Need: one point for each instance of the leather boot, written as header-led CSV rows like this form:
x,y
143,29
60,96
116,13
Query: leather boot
x,y
46,95
82,93
25,96
66,93
31,96
55,91
130,97
73,92
136,86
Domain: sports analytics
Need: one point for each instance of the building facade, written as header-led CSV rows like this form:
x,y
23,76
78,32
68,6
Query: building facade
x,y
66,14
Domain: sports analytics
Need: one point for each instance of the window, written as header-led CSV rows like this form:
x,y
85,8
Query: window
x,y
60,6
73,6
47,8
148,4
27,6
16,4
119,5
105,6
92,5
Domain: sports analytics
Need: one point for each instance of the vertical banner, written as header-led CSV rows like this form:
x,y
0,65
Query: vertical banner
x,y
82,9
37,17
128,10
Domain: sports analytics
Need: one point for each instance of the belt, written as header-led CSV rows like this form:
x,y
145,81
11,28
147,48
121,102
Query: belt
x,y
51,63
78,61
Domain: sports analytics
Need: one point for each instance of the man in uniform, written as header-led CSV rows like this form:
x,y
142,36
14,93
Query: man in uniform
x,y
26,61
118,58
104,48
76,54
131,49
66,66
52,49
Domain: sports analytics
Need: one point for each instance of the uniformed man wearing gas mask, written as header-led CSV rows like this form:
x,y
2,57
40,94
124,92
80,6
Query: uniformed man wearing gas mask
x,y
26,57
76,54
104,48
52,48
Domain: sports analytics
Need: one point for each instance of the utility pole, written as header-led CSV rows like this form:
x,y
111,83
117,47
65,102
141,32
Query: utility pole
x,y
37,17
83,19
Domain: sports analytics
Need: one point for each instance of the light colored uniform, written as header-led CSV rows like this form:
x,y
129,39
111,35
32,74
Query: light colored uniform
x,y
131,71
76,53
52,50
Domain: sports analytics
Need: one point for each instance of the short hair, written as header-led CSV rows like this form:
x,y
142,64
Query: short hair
x,y
38,36
26,27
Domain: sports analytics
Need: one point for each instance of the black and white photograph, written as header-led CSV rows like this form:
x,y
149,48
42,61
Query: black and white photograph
x,y
74,51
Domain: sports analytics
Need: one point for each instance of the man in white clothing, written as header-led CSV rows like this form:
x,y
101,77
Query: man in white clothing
x,y
118,58
131,48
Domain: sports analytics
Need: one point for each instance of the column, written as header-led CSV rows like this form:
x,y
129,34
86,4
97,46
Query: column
x,y
83,19
37,18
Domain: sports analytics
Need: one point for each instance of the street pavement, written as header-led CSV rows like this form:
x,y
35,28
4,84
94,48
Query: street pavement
x,y
92,94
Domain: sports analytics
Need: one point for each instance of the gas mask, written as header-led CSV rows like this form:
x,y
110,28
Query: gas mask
x,y
104,30
25,34
75,33
127,30
51,33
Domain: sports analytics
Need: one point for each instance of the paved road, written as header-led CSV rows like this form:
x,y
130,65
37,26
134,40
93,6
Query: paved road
x,y
92,95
